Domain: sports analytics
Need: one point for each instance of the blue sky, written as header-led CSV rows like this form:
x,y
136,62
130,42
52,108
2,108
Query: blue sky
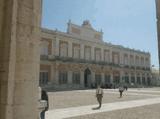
x,y
131,23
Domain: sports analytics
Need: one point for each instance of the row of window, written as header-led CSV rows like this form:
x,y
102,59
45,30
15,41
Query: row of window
x,y
76,50
63,78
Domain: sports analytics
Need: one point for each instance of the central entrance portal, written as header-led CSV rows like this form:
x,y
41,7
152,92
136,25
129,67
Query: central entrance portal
x,y
87,78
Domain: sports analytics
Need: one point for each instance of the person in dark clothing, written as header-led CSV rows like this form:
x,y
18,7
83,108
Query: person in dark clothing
x,y
126,87
44,96
121,89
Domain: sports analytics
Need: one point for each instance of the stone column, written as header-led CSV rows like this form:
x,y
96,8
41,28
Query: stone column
x,y
121,77
110,56
129,77
121,58
93,77
82,51
82,78
70,78
102,78
53,48
70,49
141,78
111,75
57,47
135,75
146,78
56,77
102,54
129,60
52,74
19,58
92,53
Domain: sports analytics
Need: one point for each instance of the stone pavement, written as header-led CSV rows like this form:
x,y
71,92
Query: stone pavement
x,y
70,112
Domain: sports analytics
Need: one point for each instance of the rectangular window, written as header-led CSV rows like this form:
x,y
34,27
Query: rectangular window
x,y
106,56
138,80
63,47
98,79
76,51
76,78
107,79
43,78
63,77
87,53
97,54
132,79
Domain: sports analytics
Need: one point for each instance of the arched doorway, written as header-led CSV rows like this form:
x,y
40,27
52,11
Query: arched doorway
x,y
87,77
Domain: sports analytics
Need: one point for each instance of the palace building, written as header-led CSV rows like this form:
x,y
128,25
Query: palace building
x,y
79,58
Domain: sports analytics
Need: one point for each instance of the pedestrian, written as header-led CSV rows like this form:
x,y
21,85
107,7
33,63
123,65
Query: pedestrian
x,y
125,87
44,96
99,95
121,89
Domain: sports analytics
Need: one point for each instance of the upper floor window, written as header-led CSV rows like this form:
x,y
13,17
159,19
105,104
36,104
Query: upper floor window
x,y
76,51
115,57
106,56
44,48
142,61
137,61
147,62
131,59
87,52
126,59
97,54
63,49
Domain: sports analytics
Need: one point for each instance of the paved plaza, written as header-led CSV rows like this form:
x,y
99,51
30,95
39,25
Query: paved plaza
x,y
135,104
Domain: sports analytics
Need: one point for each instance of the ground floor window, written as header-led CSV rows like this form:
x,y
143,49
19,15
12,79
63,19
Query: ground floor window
x,y
98,79
107,79
143,80
126,78
138,80
132,79
43,78
63,77
148,81
116,79
76,78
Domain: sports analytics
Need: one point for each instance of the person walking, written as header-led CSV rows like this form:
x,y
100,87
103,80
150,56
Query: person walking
x,y
44,96
99,95
121,89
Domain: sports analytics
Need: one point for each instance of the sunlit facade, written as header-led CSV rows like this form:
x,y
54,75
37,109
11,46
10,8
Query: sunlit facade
x,y
79,58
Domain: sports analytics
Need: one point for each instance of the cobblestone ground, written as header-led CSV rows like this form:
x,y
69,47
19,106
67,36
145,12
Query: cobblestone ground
x,y
145,112
80,98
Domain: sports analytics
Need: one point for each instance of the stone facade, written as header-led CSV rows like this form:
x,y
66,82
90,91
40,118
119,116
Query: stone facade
x,y
80,58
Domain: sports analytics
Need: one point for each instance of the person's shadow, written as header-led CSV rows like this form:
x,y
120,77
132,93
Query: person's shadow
x,y
95,108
